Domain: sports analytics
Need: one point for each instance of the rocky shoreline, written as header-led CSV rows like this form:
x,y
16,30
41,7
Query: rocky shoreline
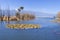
x,y
23,26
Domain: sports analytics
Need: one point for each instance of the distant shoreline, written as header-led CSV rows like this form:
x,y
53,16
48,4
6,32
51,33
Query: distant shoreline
x,y
44,17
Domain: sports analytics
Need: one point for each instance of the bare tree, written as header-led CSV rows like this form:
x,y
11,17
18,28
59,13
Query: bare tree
x,y
1,14
8,12
0,11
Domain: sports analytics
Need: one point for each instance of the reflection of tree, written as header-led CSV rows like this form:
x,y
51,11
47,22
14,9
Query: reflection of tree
x,y
17,22
8,22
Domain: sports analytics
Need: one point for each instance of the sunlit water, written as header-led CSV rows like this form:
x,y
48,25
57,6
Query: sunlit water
x,y
48,30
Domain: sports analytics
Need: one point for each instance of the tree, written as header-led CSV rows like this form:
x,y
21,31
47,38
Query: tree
x,y
8,12
21,8
0,12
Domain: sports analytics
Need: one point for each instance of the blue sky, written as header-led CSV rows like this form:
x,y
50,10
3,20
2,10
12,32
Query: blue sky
x,y
45,6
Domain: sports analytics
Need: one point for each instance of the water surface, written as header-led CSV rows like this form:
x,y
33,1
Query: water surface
x,y
48,31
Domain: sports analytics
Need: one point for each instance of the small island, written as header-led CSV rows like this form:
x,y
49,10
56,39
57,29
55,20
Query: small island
x,y
22,26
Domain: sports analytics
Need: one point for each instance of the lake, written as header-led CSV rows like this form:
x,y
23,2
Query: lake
x,y
48,30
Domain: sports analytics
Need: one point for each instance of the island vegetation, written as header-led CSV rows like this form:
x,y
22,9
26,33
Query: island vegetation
x,y
18,17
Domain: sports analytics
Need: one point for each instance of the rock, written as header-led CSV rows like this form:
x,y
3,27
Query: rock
x,y
23,26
